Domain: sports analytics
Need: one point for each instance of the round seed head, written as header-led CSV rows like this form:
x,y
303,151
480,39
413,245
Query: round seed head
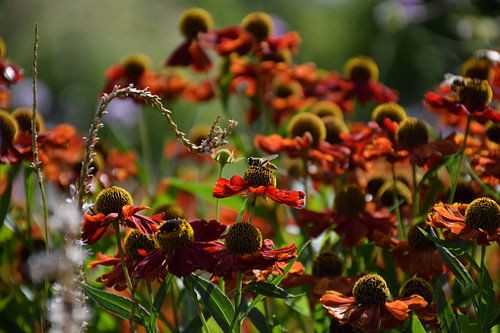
x,y
111,200
243,238
307,122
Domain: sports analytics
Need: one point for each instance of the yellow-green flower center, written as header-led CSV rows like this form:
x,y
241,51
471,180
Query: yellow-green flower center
x,y
493,132
199,133
417,239
412,133
386,193
243,238
308,123
483,213
477,68
393,111
194,21
3,48
111,200
8,129
349,200
334,126
259,24
135,65
134,241
260,176
326,108
475,93
327,264
361,69
371,289
418,286
174,235
23,119
171,212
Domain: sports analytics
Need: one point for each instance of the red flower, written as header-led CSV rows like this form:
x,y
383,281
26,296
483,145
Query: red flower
x,y
9,73
232,40
264,258
184,248
463,97
227,188
94,226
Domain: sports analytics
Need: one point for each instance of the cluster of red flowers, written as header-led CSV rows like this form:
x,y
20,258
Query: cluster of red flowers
x,y
382,173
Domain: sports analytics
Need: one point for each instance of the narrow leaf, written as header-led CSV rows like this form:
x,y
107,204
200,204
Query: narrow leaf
x,y
215,300
117,305
258,320
162,292
267,289
5,199
416,325
445,314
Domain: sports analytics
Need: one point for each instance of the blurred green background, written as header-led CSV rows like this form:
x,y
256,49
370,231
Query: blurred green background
x,y
414,41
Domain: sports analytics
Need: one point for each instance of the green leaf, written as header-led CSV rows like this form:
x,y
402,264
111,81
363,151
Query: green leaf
x,y
416,325
5,199
483,185
215,300
117,305
258,320
445,314
467,325
276,325
195,324
267,289
162,292
462,276
486,301
277,280
204,191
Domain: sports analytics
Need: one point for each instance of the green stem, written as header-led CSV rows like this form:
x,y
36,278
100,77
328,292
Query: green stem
x,y
116,226
221,167
483,255
252,208
306,185
396,201
416,194
28,192
188,283
236,322
146,151
454,181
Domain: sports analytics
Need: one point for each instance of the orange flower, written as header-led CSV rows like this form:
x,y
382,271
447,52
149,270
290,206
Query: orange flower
x,y
369,308
9,72
478,221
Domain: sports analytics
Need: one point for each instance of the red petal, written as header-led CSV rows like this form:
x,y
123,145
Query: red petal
x,y
291,198
226,188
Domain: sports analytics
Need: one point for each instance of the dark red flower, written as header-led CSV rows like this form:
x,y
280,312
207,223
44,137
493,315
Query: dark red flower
x,y
184,247
245,250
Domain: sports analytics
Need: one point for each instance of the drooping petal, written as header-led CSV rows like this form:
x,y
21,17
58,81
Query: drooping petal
x,y
291,198
94,226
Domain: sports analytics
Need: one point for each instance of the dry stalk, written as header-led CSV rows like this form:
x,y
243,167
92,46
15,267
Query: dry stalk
x,y
216,138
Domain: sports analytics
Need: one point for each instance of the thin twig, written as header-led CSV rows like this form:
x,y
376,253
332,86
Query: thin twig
x,y
34,136
36,164
216,137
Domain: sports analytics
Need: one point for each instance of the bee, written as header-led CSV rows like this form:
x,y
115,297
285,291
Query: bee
x,y
455,81
263,162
